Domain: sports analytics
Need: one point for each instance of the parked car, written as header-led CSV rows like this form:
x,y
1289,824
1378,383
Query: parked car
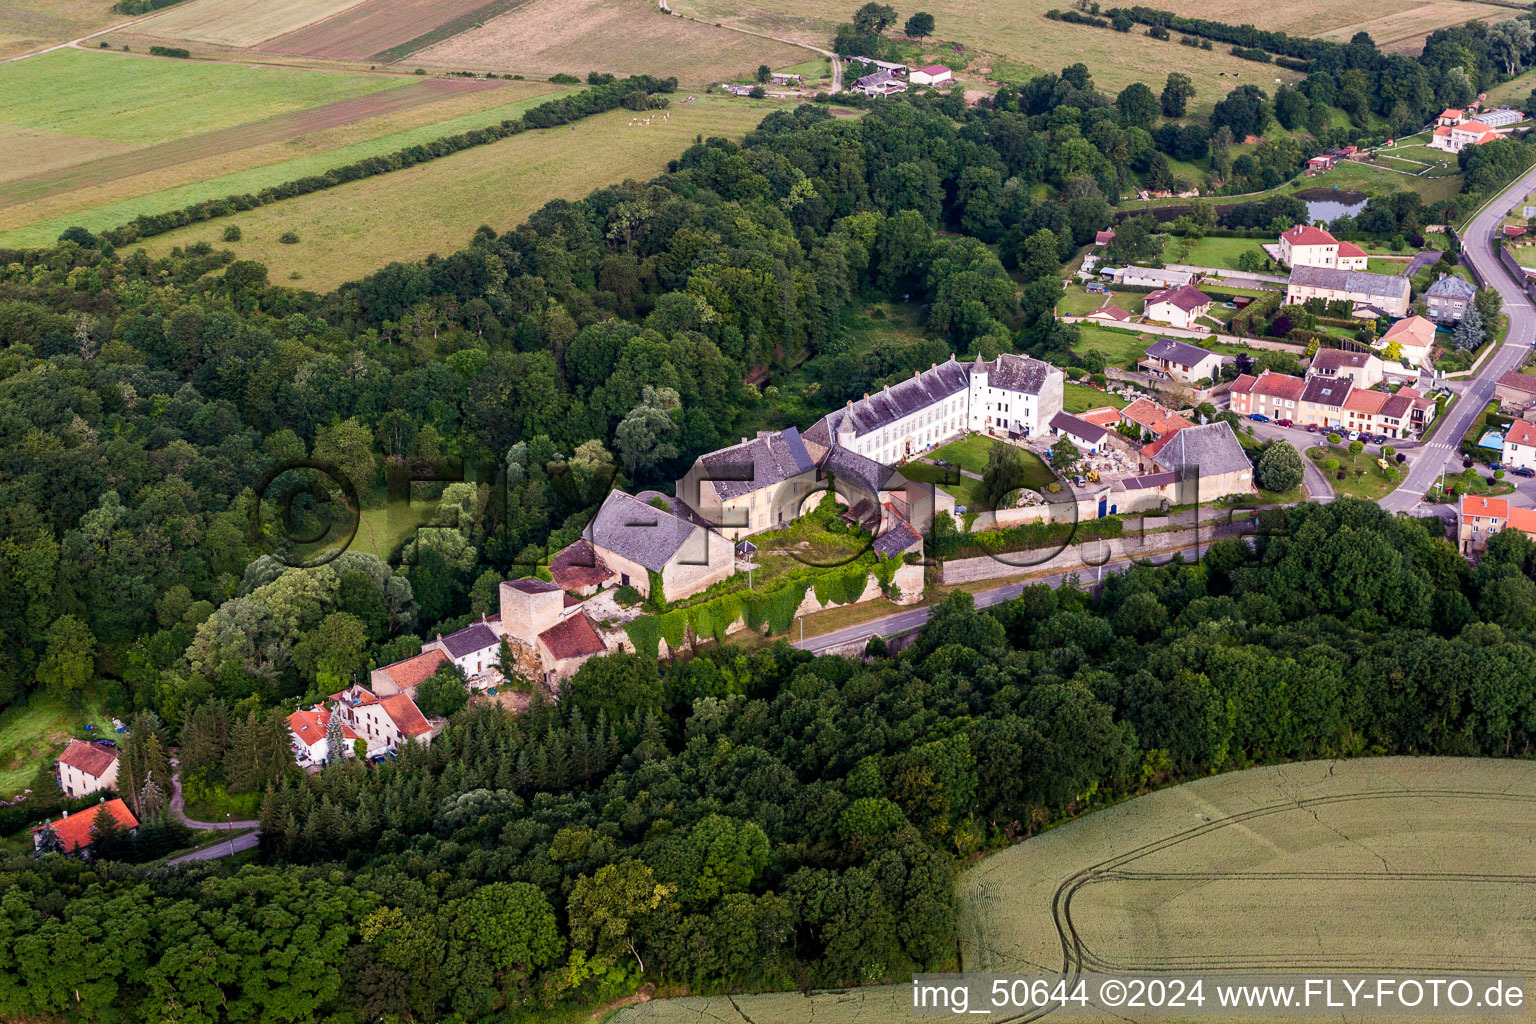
x,y
1257,418
1381,439
1495,466
1353,435
1283,423
1524,471
1311,428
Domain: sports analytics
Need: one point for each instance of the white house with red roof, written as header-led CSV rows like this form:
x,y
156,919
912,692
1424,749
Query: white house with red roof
x,y
1307,246
1414,337
405,675
309,728
76,832
1456,137
383,723
1480,518
1178,307
933,74
1520,445
84,767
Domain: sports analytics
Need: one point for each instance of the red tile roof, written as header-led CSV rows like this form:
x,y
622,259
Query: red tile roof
x,y
572,638
76,832
1107,416
1367,403
1306,234
1521,432
1477,505
1522,519
310,725
1186,297
1104,237
1110,313
934,69
1518,381
92,758
413,670
1146,413
578,566
1276,385
1350,249
405,714
1443,131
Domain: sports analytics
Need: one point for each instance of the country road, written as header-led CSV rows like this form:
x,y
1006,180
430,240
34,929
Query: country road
x,y
1477,250
234,844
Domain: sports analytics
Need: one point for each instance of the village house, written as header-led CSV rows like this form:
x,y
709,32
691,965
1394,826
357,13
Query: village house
x,y
1307,246
1414,337
754,486
1182,361
1516,392
383,723
1322,401
1480,518
311,740
1104,416
640,536
1520,445
1104,237
473,649
1151,419
76,832
1362,369
933,74
403,676
86,766
1388,293
1448,298
578,571
1454,138
1273,395
1208,460
1178,307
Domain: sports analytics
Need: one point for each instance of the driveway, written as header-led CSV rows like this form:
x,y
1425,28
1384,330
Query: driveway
x,y
235,844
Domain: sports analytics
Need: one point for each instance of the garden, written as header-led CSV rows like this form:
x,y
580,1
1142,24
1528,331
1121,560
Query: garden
x,y
1355,473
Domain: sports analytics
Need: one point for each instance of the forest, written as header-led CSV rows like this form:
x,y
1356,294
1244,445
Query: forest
x,y
773,819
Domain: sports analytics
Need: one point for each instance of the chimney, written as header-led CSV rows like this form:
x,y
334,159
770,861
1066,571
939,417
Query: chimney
x,y
849,404
66,814
866,396
745,440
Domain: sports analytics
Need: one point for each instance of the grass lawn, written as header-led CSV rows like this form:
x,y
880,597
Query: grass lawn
x,y
1078,301
133,100
1120,347
969,453
33,733
963,489
1289,497
1392,268
212,805
1210,252
1371,484
1081,398
348,231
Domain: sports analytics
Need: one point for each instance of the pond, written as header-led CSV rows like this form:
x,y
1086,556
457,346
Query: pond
x,y
1328,205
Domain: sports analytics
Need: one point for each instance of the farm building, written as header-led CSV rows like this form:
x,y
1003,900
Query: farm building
x,y
742,489
881,83
1149,277
1328,283
933,74
1502,117
1209,461
1087,436
1319,164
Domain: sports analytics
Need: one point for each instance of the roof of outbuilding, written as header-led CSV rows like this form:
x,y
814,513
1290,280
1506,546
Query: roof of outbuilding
x,y
637,531
1517,381
898,538
405,714
1338,359
764,461
1146,413
1070,424
1356,281
573,637
310,725
94,759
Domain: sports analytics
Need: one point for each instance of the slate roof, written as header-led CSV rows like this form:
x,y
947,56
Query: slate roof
x,y
856,471
77,832
534,585
765,461
1181,352
1517,381
1356,281
476,637
578,566
405,714
1015,373
1069,424
412,671
637,531
885,407
94,759
1452,287
1186,297
1133,483
573,637
1212,447
1326,390
897,539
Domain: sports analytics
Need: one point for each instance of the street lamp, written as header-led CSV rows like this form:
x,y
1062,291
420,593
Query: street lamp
x,y
228,830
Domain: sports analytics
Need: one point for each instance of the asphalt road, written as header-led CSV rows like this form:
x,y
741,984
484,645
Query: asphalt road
x,y
223,848
1477,249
